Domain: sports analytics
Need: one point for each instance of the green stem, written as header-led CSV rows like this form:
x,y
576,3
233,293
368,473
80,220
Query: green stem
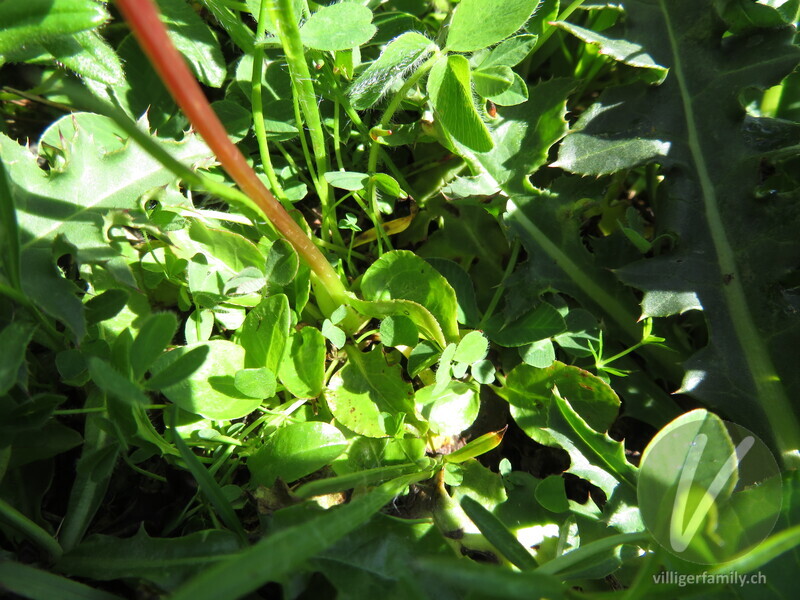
x,y
16,520
512,262
282,13
258,107
375,149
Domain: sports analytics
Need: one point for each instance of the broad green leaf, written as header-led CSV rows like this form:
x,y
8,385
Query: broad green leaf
x,y
199,325
41,20
302,371
588,395
400,55
401,275
399,331
210,390
368,396
492,81
15,339
542,322
224,251
553,422
420,315
281,264
551,494
256,383
333,334
295,451
37,584
114,383
49,441
517,93
265,333
450,411
154,336
166,562
524,134
105,305
195,40
89,55
450,92
247,571
511,52
347,180
472,348
423,356
478,24
539,354
468,313
338,27
619,49
235,117
733,251
54,203
179,370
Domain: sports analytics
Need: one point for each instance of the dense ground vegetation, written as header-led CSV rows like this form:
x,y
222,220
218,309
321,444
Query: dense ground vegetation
x,y
421,337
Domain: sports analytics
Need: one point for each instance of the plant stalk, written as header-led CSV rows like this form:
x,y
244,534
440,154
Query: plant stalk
x,y
144,20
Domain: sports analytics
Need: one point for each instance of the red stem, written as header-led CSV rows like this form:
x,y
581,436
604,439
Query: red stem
x,y
143,18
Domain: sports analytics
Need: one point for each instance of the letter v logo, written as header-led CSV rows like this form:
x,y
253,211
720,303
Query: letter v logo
x,y
681,537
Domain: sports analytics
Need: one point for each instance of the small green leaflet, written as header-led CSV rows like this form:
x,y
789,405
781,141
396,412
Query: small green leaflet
x,y
480,23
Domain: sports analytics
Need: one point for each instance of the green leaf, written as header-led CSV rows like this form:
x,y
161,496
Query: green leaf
x,y
265,333
338,27
488,580
154,336
302,372
399,331
333,334
542,322
295,451
54,203
114,383
252,568
589,396
16,336
553,422
38,584
478,24
450,411
347,180
499,536
472,348
105,305
368,396
402,275
511,52
524,134
733,251
195,40
210,390
619,49
256,383
41,20
450,92
492,81
209,486
468,313
199,325
539,354
282,263
516,94
399,56
552,494
166,562
89,55
421,316
179,370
